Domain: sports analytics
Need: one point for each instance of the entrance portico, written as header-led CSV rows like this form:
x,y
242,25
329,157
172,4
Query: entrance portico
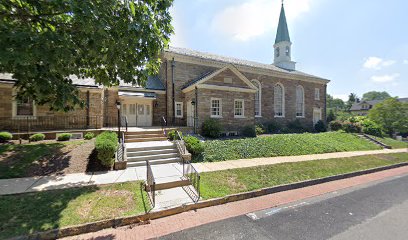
x,y
137,107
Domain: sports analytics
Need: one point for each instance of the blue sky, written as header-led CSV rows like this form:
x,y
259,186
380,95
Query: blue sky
x,y
359,45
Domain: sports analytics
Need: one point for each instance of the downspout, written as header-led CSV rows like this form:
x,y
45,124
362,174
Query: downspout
x,y
87,108
172,88
196,110
167,87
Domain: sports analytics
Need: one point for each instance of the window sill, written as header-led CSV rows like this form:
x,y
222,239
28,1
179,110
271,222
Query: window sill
x,y
279,116
20,117
300,116
258,116
178,116
239,117
216,116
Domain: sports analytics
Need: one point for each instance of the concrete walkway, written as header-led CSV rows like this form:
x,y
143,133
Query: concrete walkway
x,y
243,163
33,184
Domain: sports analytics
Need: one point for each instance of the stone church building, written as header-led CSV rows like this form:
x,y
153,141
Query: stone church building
x,y
190,87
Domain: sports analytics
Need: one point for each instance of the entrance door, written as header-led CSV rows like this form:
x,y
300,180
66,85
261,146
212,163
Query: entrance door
x,y
144,114
190,114
129,110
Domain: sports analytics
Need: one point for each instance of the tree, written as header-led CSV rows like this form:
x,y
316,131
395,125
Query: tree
x,y
335,103
352,99
374,95
391,115
331,116
44,42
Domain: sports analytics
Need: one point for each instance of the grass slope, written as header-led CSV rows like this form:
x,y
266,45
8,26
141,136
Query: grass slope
x,y
31,212
284,145
222,183
391,142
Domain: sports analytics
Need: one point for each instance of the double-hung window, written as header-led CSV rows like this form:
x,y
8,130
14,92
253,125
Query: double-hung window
x,y
216,108
317,94
239,108
179,110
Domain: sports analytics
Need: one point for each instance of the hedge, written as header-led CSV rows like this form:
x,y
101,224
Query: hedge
x,y
37,137
106,144
193,145
89,136
64,136
5,136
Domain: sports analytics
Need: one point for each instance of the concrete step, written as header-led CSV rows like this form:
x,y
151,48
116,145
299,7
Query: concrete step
x,y
132,140
144,136
152,157
143,133
148,148
154,162
151,152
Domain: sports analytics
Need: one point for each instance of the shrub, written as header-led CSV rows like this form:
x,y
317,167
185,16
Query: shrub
x,y
37,137
249,131
172,135
259,129
273,127
336,125
106,144
5,136
64,136
371,128
211,128
295,127
193,145
350,127
320,126
89,135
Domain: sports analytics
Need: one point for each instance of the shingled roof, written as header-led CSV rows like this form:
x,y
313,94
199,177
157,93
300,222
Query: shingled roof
x,y
235,61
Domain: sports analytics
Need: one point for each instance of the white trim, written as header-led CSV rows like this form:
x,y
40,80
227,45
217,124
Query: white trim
x,y
317,92
134,89
303,102
222,88
243,68
260,97
283,100
220,108
212,75
175,112
317,110
243,108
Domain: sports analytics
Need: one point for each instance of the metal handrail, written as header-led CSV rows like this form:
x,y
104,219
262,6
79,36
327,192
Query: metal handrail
x,y
150,184
164,124
120,152
181,145
190,173
124,122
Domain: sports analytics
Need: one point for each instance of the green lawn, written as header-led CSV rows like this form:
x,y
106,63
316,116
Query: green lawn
x,y
16,159
222,183
391,142
283,145
31,212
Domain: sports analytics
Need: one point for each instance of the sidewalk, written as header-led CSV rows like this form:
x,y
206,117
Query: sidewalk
x,y
33,184
163,226
243,163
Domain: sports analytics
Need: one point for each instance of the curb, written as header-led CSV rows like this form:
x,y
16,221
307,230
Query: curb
x,y
145,218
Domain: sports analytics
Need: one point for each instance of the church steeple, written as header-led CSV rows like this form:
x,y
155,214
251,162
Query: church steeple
x,y
283,44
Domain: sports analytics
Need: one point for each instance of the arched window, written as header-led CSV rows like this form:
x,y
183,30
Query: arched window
x,y
279,100
300,101
258,95
277,52
287,51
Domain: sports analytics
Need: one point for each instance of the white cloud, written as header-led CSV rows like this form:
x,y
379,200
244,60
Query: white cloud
x,y
377,63
254,18
405,61
385,78
343,97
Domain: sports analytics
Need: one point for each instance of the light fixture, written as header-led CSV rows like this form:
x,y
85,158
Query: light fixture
x,y
118,105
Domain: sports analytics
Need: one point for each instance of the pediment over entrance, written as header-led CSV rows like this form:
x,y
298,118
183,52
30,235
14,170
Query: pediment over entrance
x,y
226,78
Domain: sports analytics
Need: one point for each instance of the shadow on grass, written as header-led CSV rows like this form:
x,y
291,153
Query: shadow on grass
x,y
94,165
32,159
145,199
23,214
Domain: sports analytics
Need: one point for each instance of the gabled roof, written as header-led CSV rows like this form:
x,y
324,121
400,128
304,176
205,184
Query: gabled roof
x,y
209,75
282,34
236,62
359,106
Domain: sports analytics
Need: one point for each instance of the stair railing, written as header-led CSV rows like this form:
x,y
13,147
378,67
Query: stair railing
x,y
120,152
150,186
181,145
124,122
190,173
164,125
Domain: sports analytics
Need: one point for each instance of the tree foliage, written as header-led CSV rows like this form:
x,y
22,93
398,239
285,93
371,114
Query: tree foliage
x,y
352,99
335,103
374,95
391,115
44,42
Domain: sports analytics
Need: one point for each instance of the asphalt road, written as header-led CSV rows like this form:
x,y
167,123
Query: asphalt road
x,y
375,211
